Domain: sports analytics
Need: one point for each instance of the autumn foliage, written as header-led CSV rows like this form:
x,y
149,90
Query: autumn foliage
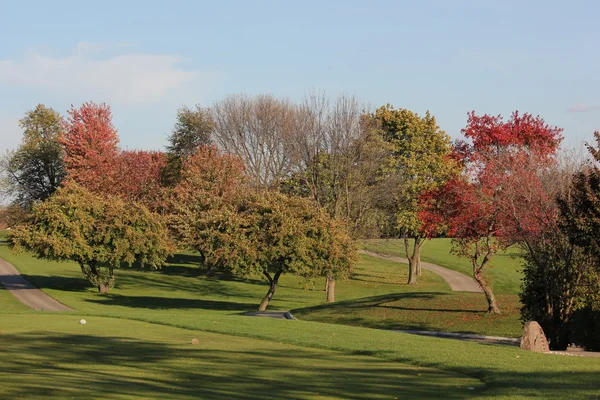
x,y
94,161
139,177
500,198
90,145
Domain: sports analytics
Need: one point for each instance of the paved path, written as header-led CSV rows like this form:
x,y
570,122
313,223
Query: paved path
x,y
25,292
458,282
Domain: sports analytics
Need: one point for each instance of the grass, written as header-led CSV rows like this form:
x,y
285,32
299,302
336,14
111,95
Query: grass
x,y
430,311
429,306
54,357
504,274
9,303
376,289
183,297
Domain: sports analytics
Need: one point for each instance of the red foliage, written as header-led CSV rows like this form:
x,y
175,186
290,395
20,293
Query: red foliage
x,y
208,173
521,131
501,193
139,176
90,144
94,161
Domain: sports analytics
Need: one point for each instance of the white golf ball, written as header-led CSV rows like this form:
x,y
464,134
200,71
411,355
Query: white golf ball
x,y
83,322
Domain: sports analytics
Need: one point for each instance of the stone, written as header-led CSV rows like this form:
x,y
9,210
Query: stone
x,y
533,338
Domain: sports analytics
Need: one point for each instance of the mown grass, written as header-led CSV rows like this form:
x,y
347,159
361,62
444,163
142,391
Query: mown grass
x,y
504,274
54,357
377,289
9,304
183,297
430,311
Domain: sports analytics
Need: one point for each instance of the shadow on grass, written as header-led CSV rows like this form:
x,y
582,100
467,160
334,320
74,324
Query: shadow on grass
x,y
88,366
162,303
397,311
110,367
64,283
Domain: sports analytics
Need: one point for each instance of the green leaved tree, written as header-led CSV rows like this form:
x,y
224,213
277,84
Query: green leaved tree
x,y
419,161
271,234
193,128
99,233
35,170
249,233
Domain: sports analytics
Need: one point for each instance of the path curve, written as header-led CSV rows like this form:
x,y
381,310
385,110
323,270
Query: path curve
x,y
25,292
458,282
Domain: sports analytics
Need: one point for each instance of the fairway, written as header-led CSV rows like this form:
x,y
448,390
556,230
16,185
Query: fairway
x,y
52,356
327,357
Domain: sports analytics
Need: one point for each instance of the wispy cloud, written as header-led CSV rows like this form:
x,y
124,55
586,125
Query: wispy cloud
x,y
126,78
582,108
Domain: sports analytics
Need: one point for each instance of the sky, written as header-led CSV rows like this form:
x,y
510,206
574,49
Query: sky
x,y
148,58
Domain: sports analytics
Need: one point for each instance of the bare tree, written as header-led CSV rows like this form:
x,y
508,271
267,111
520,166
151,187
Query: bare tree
x,y
338,156
259,130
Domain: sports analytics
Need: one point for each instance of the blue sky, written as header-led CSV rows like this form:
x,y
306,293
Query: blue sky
x,y
147,58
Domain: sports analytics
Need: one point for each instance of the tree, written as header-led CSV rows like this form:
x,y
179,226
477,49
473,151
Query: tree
x,y
271,234
99,233
339,155
90,142
420,160
35,170
138,177
259,130
339,152
500,199
192,129
568,301
209,182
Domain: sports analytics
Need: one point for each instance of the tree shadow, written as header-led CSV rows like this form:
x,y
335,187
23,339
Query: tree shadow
x,y
67,284
165,303
388,312
89,366
67,365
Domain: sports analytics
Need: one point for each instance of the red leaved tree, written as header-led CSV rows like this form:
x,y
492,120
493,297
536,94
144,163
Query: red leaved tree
x,y
94,161
90,141
138,174
499,199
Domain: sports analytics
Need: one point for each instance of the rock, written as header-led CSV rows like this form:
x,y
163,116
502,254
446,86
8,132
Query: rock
x,y
533,338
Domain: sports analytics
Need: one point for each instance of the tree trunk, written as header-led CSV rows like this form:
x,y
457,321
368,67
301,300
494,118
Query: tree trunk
x,y
489,294
412,264
330,290
103,288
417,253
104,285
272,286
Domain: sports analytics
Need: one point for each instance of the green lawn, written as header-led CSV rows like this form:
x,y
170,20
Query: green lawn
x,y
428,306
430,311
377,289
54,357
182,296
9,304
504,274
